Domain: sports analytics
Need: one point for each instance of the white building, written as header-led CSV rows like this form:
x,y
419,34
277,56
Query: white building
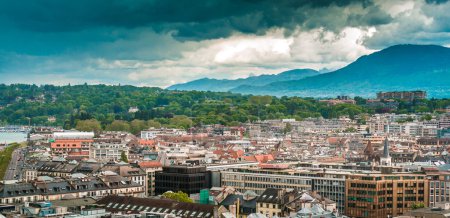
x,y
104,151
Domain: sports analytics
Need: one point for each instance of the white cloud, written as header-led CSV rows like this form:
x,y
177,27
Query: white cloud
x,y
142,57
326,47
242,55
415,22
256,50
397,7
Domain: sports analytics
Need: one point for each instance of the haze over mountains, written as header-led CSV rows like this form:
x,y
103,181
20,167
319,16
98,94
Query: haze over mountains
x,y
223,85
400,67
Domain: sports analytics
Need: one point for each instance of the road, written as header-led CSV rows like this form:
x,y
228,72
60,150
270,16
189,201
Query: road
x,y
14,170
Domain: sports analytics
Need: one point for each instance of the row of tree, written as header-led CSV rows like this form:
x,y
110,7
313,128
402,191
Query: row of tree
x,y
135,126
107,107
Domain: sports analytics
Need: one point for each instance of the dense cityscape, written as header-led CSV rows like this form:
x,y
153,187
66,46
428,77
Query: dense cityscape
x,y
363,165
225,109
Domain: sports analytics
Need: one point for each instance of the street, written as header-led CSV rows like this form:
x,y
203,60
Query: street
x,y
15,165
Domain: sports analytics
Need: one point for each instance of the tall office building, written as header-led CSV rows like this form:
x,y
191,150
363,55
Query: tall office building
x,y
185,178
383,195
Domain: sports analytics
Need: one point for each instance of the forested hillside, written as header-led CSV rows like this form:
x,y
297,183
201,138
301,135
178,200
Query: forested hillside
x,y
102,104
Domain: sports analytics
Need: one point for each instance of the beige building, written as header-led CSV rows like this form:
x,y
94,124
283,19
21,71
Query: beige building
x,y
57,189
269,203
383,195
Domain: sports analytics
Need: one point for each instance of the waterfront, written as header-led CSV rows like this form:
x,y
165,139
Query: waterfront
x,y
9,137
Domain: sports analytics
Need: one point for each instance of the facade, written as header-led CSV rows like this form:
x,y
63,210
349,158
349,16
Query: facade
x,y
329,184
259,180
54,168
185,178
69,188
134,174
404,95
439,187
382,195
72,144
270,203
152,133
29,175
108,151
150,168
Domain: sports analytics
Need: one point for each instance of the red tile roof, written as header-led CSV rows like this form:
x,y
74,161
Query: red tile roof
x,y
149,164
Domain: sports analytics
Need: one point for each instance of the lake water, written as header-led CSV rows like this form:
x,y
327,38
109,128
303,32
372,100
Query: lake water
x,y
9,137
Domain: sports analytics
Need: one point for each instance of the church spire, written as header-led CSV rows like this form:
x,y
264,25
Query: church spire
x,y
386,148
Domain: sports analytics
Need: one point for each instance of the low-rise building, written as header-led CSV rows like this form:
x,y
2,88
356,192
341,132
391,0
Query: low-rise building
x,y
108,151
74,144
125,204
57,189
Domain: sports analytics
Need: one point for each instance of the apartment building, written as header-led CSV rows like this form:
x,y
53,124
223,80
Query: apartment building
x,y
439,187
327,183
270,203
132,173
74,144
57,189
383,195
403,95
152,133
108,150
150,168
186,178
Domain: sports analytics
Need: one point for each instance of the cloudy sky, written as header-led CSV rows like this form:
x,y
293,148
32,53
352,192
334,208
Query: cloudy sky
x,y
163,42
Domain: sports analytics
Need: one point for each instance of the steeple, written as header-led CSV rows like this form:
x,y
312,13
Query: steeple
x,y
386,148
369,149
386,159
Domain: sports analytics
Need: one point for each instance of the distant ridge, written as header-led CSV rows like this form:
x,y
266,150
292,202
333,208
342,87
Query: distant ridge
x,y
400,67
396,68
224,85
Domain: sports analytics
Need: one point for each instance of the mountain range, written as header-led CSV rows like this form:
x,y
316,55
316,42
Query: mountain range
x,y
396,68
223,85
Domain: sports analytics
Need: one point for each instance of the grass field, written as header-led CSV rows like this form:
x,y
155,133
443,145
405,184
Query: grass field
x,y
5,158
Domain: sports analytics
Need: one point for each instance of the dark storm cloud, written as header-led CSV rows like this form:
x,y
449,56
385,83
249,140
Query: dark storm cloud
x,y
189,19
436,1
167,41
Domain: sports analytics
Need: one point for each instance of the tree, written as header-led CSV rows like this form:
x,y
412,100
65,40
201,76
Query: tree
x,y
118,125
181,122
234,123
136,126
287,128
360,100
260,100
178,196
417,206
154,124
89,125
123,157
427,117
350,129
